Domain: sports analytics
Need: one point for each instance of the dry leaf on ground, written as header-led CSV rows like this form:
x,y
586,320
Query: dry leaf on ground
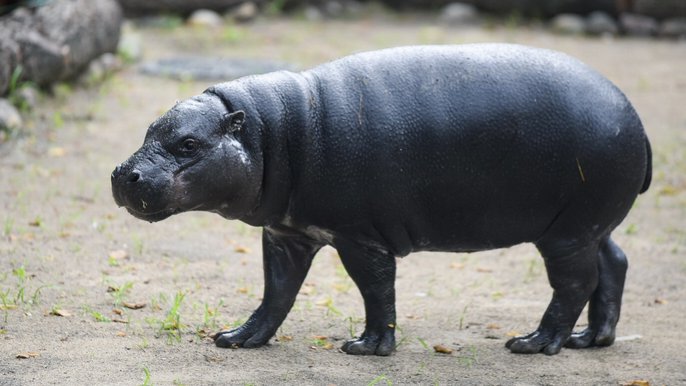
x,y
27,355
133,306
443,349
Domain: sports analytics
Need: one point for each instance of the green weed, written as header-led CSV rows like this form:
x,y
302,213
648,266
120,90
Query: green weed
x,y
171,325
7,304
275,7
210,315
352,325
534,270
14,86
138,245
148,379
143,344
469,358
632,229
330,308
97,316
119,293
7,228
20,274
233,34
379,379
462,317
423,343
57,120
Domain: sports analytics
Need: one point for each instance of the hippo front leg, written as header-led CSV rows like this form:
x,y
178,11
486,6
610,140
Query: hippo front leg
x,y
287,260
374,274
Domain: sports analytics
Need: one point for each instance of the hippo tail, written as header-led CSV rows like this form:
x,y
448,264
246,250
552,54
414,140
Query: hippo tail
x,y
649,167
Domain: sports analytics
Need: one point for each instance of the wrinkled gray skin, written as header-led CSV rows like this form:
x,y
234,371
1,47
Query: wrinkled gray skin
x,y
444,148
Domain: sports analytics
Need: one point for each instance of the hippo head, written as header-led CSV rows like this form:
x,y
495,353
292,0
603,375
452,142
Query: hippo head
x,y
191,159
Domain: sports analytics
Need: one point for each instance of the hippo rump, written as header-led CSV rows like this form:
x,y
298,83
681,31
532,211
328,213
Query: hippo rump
x,y
380,154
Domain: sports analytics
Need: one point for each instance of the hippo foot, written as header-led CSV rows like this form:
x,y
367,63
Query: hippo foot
x,y
592,338
243,336
371,344
548,342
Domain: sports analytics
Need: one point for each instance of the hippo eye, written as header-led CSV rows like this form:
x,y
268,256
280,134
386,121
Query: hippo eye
x,y
189,146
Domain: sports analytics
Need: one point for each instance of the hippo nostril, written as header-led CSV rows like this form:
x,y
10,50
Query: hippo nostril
x,y
116,172
134,176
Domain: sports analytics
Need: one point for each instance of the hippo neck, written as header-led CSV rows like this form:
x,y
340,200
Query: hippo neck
x,y
276,114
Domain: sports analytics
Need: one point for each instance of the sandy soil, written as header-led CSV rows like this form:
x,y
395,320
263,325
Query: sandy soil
x,y
64,243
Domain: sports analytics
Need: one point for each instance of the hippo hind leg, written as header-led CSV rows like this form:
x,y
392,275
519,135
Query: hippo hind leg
x,y
606,301
573,274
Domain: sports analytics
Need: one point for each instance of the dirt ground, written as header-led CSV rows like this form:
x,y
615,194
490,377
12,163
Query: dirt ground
x,y
66,249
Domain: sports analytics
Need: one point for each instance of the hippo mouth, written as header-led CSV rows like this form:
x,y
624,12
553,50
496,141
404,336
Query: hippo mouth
x,y
154,216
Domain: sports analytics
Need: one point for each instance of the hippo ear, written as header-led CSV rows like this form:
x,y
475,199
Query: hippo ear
x,y
234,121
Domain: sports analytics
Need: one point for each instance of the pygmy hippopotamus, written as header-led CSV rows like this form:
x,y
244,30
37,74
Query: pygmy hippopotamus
x,y
431,148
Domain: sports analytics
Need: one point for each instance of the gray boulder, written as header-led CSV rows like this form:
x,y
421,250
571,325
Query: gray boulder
x,y
245,12
56,41
184,7
674,27
10,120
568,24
459,14
205,18
600,23
638,25
660,9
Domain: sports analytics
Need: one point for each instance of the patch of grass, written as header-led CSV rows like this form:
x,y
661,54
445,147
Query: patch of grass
x,y
274,7
330,308
352,325
381,379
13,90
632,229
120,292
20,274
168,21
534,270
57,120
424,344
210,315
462,317
6,304
96,315
148,378
171,325
7,228
143,344
233,34
469,358
138,244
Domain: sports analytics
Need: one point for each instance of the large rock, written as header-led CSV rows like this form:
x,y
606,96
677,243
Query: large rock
x,y
600,23
660,9
184,7
674,27
56,41
459,14
538,8
10,120
567,23
638,25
